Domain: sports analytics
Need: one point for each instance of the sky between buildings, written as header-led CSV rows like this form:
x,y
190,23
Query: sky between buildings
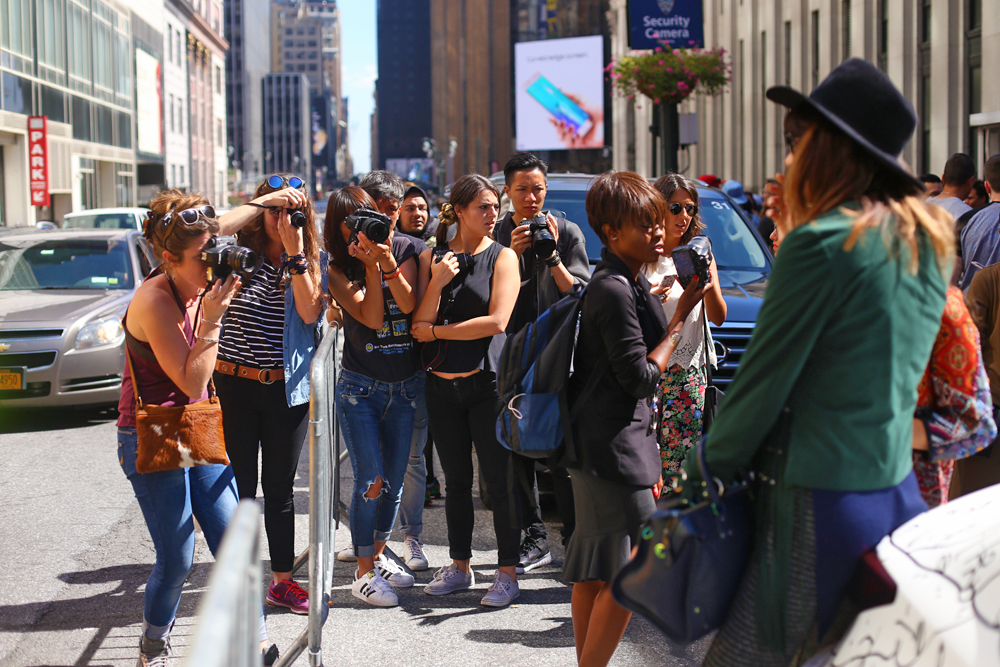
x,y
360,69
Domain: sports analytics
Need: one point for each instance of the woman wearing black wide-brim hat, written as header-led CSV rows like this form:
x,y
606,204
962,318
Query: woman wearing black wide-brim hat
x,y
822,406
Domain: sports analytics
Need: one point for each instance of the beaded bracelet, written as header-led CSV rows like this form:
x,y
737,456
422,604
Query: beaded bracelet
x,y
393,274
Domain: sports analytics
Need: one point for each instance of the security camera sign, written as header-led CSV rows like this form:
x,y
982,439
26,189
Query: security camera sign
x,y
38,160
677,23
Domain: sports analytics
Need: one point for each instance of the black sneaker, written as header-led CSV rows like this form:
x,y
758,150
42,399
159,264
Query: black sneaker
x,y
533,553
153,652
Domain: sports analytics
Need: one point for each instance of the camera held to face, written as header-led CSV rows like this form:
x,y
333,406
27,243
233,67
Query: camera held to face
x,y
223,257
693,259
297,218
542,242
374,225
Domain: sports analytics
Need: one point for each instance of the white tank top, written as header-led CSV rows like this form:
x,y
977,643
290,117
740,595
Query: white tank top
x,y
690,352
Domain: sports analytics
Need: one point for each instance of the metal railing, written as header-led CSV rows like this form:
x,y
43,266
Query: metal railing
x,y
227,632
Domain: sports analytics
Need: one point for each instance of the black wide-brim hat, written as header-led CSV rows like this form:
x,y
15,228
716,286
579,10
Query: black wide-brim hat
x,y
861,101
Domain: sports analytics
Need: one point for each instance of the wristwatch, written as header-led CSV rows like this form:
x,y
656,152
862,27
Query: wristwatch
x,y
675,338
553,260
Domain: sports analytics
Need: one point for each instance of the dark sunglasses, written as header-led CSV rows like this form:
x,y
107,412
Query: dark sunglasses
x,y
278,182
188,216
676,208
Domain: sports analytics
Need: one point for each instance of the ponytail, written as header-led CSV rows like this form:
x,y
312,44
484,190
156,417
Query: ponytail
x,y
446,218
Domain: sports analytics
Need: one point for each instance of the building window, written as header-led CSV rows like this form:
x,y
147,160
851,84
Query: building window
x,y
289,42
974,55
183,180
172,126
788,53
78,29
51,39
845,29
289,68
16,33
883,34
218,79
173,176
170,43
925,22
312,67
815,47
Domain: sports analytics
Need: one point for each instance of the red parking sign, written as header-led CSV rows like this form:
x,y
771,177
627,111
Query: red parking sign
x,y
38,160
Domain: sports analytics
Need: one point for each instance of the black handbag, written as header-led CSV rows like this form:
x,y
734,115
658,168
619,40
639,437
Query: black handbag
x,y
713,395
690,560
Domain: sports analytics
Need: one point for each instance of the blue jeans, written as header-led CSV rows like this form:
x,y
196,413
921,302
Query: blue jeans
x,y
376,420
411,505
168,500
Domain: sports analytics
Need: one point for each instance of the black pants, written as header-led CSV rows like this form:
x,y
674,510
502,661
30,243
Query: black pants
x,y
531,517
463,411
256,417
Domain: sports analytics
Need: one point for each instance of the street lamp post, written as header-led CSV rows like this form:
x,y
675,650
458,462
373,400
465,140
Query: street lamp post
x,y
440,158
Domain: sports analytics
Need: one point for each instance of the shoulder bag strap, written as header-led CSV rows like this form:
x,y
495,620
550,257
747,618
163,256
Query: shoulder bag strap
x,y
128,360
708,338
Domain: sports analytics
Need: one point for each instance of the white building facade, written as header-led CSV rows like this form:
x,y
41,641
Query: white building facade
x,y
175,99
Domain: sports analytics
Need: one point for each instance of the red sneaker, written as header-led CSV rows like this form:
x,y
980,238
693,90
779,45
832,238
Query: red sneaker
x,y
289,594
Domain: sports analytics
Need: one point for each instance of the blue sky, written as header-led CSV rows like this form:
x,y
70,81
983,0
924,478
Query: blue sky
x,y
359,71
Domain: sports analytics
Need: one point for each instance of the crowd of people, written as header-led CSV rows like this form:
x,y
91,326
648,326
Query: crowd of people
x,y
860,292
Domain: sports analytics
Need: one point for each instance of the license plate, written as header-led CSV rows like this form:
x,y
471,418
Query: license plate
x,y
12,378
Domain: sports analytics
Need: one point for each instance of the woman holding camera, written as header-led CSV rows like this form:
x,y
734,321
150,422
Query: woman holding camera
x,y
377,390
469,287
680,394
172,335
262,373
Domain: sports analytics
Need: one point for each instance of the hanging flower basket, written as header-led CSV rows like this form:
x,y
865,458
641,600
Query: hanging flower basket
x,y
669,76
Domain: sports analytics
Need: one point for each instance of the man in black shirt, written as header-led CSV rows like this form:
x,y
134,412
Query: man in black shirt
x,y
544,280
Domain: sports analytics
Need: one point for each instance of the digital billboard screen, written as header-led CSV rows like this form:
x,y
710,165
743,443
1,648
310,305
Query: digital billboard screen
x,y
559,93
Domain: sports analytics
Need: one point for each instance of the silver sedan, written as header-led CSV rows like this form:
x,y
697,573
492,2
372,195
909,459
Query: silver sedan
x,y
62,298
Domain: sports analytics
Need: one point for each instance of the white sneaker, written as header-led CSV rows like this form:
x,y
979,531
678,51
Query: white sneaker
x,y
392,572
347,555
450,579
502,592
413,554
374,590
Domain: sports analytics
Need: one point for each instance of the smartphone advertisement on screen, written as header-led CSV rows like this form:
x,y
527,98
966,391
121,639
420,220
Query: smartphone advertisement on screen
x,y
559,93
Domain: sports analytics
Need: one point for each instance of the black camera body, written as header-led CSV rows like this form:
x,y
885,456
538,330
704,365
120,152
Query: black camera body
x,y
542,242
297,218
375,225
693,259
225,256
464,259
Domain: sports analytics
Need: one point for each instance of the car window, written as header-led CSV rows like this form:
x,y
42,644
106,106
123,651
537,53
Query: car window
x,y
65,264
101,221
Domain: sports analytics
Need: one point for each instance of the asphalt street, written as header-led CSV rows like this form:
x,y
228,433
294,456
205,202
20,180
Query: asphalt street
x,y
76,556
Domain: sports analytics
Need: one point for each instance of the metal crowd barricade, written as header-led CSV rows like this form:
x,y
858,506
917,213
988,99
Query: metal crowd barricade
x,y
324,493
227,632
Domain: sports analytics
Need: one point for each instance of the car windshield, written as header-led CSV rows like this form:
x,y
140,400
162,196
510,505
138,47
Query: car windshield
x,y
733,244
100,221
64,264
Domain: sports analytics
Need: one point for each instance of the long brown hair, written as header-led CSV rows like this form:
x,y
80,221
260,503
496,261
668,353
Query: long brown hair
x,y
668,184
830,169
181,235
342,203
254,236
463,192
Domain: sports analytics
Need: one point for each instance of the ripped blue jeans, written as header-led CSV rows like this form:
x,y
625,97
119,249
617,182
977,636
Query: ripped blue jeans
x,y
376,420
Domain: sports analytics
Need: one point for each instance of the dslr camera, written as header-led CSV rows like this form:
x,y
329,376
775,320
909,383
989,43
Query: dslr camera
x,y
464,260
693,260
297,218
374,225
542,242
224,256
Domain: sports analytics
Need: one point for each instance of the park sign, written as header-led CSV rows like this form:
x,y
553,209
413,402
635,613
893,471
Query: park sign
x,y
38,158
677,22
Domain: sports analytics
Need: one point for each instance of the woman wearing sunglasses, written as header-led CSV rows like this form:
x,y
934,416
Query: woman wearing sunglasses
x,y
376,394
262,373
680,394
172,336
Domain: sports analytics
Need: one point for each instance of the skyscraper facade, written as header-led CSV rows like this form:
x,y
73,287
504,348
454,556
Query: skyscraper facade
x,y
247,61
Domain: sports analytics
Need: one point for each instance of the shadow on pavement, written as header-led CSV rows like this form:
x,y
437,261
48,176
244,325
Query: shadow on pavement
x,y
29,420
560,636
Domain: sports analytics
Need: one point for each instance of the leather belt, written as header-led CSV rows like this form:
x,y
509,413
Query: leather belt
x,y
262,375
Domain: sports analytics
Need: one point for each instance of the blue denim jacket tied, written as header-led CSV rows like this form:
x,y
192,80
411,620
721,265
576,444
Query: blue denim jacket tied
x,y
300,343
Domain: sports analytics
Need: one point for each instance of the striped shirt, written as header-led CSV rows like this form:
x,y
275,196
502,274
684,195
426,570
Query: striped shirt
x,y
254,328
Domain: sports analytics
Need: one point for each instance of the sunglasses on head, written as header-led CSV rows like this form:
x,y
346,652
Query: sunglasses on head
x,y
676,208
278,182
188,216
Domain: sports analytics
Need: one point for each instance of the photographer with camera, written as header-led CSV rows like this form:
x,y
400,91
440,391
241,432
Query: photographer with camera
x,y
262,373
552,258
469,287
680,394
373,274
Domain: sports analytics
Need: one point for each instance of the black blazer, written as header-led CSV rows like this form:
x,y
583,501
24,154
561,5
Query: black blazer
x,y
615,435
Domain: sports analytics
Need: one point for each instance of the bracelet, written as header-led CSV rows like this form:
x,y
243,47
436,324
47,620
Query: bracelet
x,y
432,332
393,274
204,321
297,264
207,340
553,261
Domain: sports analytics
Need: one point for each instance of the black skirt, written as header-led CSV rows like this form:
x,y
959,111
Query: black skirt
x,y
609,516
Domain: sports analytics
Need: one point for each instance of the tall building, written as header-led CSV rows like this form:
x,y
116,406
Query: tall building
x,y
404,79
246,64
471,83
286,114
933,51
150,151
175,99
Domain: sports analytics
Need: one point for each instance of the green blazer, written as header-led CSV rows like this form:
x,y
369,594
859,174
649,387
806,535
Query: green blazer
x,y
841,342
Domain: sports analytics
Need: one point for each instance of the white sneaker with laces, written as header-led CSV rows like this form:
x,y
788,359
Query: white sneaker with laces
x,y
392,572
502,591
347,555
374,590
450,579
413,554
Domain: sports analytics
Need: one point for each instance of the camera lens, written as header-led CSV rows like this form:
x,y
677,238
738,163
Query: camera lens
x,y
241,260
376,230
297,219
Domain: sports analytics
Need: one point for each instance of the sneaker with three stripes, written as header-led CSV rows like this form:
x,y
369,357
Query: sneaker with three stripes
x,y
374,590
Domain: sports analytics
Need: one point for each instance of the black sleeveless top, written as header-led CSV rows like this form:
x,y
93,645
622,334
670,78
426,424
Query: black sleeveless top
x,y
467,296
385,354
